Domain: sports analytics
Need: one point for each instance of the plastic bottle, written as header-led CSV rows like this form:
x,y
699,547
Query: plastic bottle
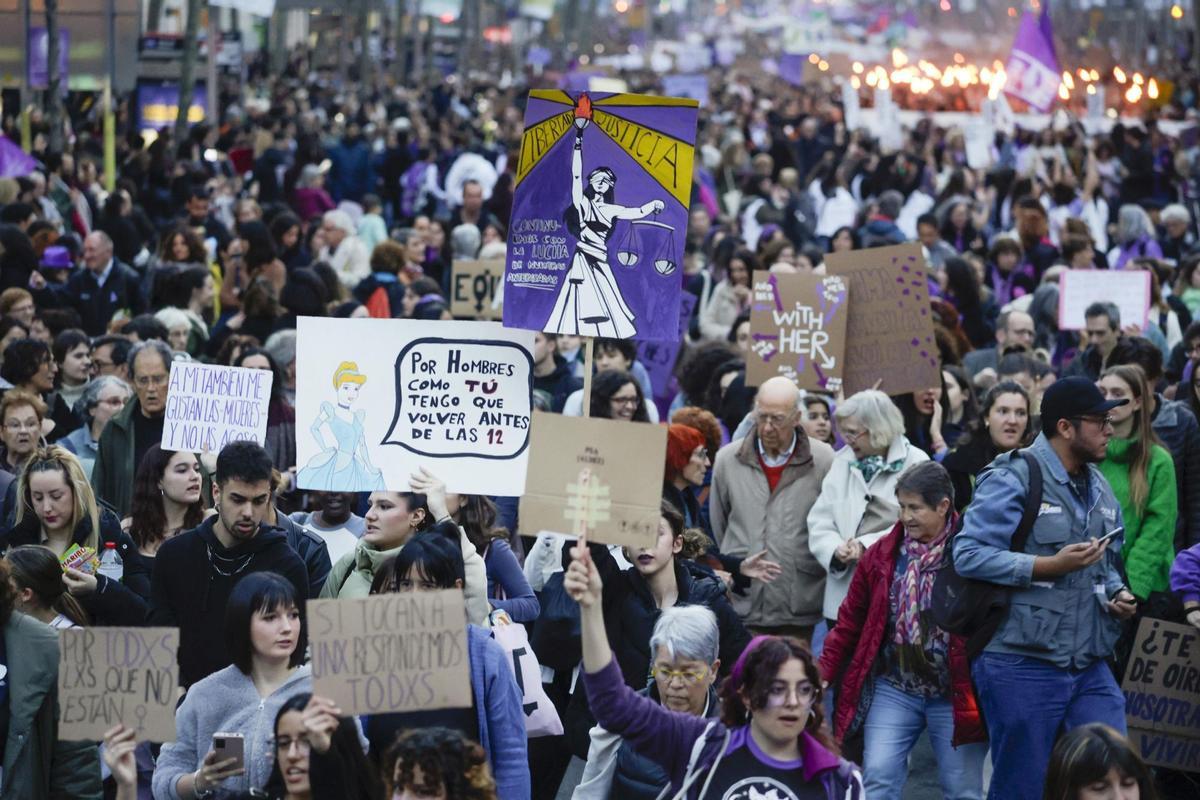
x,y
111,563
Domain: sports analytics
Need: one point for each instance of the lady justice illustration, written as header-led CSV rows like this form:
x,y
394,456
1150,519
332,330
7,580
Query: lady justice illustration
x,y
343,465
589,301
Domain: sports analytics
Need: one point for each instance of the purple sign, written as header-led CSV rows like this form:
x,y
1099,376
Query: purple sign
x,y
158,104
39,58
693,85
659,357
600,215
791,68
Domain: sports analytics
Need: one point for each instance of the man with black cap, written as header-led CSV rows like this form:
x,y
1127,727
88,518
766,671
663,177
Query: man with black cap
x,y
1043,672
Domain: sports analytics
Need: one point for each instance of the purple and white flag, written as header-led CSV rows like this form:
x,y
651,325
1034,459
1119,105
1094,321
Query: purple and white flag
x,y
1033,73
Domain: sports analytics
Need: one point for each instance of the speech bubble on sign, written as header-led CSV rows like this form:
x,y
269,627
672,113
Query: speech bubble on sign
x,y
457,397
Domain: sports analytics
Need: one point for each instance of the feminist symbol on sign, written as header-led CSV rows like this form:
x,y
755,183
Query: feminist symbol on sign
x,y
588,502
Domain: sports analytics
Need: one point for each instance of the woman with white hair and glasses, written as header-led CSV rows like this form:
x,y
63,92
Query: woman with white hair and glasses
x,y
1135,237
103,398
684,647
857,504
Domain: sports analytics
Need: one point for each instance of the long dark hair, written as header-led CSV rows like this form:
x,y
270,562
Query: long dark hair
x,y
35,567
755,671
606,384
148,518
360,780
1086,754
477,516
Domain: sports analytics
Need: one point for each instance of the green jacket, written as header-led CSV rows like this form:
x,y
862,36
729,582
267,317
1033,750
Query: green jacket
x,y
37,766
112,475
1150,531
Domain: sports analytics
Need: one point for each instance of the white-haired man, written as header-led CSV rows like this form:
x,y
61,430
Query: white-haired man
x,y
343,250
763,487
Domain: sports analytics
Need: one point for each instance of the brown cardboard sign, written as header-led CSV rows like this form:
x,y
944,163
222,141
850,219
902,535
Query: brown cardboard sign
x,y
601,474
889,333
385,653
798,330
1162,694
473,286
111,676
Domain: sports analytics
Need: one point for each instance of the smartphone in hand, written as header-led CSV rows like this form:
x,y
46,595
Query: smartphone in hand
x,y
230,745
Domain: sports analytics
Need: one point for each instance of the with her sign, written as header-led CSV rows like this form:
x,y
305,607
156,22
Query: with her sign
x,y
798,330
209,406
403,651
379,398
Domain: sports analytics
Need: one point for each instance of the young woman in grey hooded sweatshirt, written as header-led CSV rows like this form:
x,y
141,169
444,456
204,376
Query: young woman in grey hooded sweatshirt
x,y
265,637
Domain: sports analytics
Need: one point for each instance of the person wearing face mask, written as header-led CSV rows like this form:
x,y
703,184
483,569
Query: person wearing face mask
x,y
857,505
430,562
1095,762
393,518
196,571
265,639
771,735
166,501
1003,425
896,674
685,644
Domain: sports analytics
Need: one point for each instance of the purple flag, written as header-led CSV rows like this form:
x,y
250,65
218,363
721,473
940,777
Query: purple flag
x,y
1033,73
14,162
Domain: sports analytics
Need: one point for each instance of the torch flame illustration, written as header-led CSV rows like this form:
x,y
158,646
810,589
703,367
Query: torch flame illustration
x,y
583,111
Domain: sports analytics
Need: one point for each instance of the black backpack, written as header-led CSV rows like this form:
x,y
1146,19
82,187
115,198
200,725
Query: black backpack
x,y
975,608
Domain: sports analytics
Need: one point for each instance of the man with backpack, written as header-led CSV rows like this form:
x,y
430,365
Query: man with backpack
x,y
1043,671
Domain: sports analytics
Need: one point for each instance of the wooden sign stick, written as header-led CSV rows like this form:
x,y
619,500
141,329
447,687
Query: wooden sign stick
x,y
587,376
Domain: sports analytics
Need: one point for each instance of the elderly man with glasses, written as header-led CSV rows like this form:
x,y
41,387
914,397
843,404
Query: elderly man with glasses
x,y
130,433
763,486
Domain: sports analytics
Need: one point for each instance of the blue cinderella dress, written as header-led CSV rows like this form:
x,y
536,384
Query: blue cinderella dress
x,y
344,467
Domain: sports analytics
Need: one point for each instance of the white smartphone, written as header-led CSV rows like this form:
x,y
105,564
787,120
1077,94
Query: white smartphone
x,y
1108,536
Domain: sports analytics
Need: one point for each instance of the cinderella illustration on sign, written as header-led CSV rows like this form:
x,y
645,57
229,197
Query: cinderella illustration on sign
x,y
343,465
589,301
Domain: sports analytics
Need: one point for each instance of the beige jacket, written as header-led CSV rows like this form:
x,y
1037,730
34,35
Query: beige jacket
x,y
747,518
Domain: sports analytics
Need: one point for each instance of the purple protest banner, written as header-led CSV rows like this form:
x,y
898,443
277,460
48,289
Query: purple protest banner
x,y
1033,73
659,357
14,162
39,58
791,68
600,215
158,104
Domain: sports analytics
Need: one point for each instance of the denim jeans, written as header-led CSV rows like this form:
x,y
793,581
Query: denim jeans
x,y
1027,704
893,725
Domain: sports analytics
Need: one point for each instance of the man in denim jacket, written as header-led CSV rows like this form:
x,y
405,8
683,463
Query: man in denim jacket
x,y
1043,672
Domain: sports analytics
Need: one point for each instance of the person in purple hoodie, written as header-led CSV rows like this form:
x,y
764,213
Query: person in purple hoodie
x,y
770,740
1185,582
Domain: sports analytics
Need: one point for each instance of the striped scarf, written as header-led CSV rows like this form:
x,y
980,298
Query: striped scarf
x,y
913,630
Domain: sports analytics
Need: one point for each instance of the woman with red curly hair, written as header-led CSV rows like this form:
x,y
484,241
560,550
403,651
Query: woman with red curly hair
x,y
770,740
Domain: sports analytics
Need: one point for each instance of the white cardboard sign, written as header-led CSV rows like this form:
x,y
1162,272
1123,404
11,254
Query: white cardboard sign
x,y
378,398
1078,288
209,406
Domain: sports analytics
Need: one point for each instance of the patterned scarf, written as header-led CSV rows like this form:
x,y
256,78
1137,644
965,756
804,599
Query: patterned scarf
x,y
913,631
873,465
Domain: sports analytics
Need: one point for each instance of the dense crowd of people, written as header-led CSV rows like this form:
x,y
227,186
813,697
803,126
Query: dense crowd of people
x,y
776,640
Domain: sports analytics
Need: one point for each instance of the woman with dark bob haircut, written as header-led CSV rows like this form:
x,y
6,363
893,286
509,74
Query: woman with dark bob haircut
x,y
1094,761
266,640
616,394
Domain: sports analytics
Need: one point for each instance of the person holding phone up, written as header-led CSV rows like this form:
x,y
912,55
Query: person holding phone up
x,y
221,740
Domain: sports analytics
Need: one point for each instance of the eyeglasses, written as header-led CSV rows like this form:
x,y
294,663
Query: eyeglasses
x,y
624,401
146,381
16,427
688,677
774,420
1103,422
284,743
850,437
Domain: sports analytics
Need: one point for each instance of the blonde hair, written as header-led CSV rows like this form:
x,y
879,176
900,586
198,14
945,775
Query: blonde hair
x,y
347,372
59,459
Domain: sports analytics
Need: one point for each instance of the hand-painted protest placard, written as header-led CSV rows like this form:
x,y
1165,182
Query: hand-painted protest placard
x,y
110,676
1162,694
379,398
603,474
600,215
209,406
889,331
659,357
798,330
385,653
1129,289
473,286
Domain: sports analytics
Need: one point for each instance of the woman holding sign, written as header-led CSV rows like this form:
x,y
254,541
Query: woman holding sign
x,y
265,636
497,721
590,301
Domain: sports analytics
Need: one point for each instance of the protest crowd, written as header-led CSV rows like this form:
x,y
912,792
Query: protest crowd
x,y
782,633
